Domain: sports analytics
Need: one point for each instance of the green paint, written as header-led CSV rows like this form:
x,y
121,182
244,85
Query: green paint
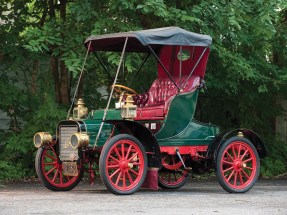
x,y
111,114
180,113
93,124
179,127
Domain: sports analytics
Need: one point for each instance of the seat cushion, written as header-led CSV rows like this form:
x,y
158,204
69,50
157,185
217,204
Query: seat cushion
x,y
156,102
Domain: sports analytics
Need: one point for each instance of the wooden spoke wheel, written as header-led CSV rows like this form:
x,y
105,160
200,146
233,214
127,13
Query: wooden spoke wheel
x,y
237,165
50,171
168,179
123,164
172,162
172,176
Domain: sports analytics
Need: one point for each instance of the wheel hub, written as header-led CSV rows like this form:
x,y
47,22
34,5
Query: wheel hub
x,y
124,165
238,164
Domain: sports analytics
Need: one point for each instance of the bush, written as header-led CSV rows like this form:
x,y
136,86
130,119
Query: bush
x,y
276,161
11,171
17,154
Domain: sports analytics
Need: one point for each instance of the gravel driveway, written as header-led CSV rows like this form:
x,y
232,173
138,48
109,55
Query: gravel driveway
x,y
196,197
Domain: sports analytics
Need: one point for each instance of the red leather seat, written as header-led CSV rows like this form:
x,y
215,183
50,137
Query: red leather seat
x,y
156,102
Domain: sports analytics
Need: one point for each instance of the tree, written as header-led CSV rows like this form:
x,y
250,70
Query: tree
x,y
42,54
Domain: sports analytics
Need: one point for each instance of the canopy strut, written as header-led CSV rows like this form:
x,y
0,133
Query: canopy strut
x,y
194,68
110,97
77,87
146,58
158,60
103,65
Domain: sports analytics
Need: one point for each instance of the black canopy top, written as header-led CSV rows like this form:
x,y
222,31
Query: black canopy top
x,y
138,40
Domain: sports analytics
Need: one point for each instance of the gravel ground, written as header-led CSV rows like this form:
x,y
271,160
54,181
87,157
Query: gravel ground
x,y
196,197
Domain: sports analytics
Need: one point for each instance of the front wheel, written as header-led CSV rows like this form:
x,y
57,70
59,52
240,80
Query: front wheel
x,y
123,164
50,171
237,165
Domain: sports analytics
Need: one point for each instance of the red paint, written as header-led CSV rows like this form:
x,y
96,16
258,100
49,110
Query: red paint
x,y
168,56
52,170
125,165
160,95
238,165
183,150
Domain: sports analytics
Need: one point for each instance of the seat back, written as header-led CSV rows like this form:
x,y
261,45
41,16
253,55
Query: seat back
x,y
163,89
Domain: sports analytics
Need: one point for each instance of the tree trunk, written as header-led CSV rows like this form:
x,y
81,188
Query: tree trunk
x,y
279,60
34,74
281,121
65,97
63,69
55,73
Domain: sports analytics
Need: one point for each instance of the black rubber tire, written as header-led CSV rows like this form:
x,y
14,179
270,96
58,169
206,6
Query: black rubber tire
x,y
45,182
220,175
103,164
164,185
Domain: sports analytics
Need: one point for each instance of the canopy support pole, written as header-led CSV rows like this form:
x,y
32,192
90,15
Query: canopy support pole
x,y
103,65
158,60
110,97
180,66
146,58
199,59
80,77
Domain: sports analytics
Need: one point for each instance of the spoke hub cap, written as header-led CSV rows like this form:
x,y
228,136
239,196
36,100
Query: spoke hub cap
x,y
124,165
237,164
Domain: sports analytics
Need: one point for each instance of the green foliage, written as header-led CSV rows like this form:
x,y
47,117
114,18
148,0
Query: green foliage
x,y
18,151
45,118
276,162
11,171
246,72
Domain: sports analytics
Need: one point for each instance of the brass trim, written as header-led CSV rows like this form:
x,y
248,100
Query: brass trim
x,y
42,139
79,140
240,134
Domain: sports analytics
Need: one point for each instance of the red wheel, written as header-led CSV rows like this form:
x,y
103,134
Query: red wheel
x,y
50,171
171,162
123,164
237,165
168,179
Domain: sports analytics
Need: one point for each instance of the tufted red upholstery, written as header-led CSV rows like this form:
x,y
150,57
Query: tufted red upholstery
x,y
155,103
140,100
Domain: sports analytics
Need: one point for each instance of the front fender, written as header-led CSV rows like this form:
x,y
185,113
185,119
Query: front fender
x,y
226,134
144,135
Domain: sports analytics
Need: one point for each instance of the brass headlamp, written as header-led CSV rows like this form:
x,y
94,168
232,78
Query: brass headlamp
x,y
129,110
79,140
42,139
80,110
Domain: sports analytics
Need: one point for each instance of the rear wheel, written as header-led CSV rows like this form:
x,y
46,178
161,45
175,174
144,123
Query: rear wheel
x,y
123,164
172,176
237,165
175,179
50,171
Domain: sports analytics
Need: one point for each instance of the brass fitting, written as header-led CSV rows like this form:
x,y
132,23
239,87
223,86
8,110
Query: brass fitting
x,y
79,140
80,110
42,139
240,134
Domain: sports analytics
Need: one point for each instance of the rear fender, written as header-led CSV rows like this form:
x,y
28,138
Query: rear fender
x,y
144,135
226,134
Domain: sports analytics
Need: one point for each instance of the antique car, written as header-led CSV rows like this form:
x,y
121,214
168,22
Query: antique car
x,y
150,139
